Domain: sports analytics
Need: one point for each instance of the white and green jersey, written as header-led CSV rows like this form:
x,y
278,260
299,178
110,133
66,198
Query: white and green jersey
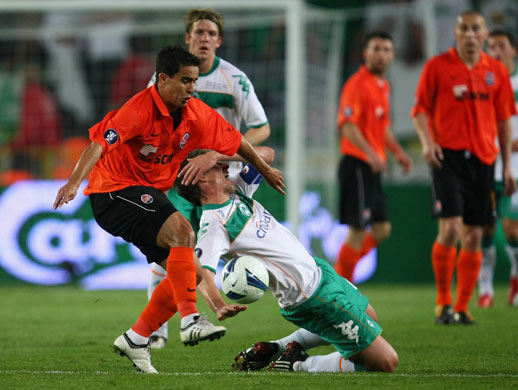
x,y
243,226
514,129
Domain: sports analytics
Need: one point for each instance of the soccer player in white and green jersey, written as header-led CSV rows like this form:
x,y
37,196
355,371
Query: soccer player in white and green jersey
x,y
504,47
226,89
327,307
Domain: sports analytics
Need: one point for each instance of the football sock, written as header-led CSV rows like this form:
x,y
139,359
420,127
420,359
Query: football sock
x,y
443,263
158,310
487,270
188,319
347,259
334,362
181,273
468,268
368,243
512,252
304,337
136,338
157,275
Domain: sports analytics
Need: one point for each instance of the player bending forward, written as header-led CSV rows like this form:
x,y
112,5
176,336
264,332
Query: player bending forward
x,y
310,293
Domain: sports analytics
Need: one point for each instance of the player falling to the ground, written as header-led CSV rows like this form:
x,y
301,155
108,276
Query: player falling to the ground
x,y
310,293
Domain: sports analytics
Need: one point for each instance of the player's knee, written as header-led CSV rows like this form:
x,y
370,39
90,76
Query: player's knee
x,y
390,361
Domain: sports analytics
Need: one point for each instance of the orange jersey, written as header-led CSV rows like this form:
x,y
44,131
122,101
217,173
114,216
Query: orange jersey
x,y
463,105
140,147
365,103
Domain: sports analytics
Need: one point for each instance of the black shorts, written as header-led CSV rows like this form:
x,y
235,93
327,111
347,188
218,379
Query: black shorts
x,y
464,187
136,214
362,200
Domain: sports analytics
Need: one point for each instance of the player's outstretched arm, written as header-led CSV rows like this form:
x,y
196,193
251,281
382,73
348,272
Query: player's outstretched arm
x,y
86,162
212,296
198,165
273,176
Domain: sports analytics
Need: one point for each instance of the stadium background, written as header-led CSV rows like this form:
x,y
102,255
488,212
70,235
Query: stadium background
x,y
65,63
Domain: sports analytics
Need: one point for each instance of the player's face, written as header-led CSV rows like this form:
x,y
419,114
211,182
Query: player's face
x,y
378,54
217,176
204,39
470,33
177,90
498,46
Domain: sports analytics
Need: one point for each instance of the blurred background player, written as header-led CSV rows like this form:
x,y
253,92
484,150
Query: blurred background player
x,y
226,89
463,99
309,292
503,46
364,122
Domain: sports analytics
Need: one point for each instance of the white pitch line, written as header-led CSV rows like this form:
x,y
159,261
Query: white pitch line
x,y
445,375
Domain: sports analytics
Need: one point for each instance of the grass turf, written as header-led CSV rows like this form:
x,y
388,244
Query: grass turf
x,y
61,337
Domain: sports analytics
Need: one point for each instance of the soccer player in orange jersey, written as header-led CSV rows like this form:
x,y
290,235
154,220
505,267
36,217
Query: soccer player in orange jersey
x,y
463,100
134,157
364,121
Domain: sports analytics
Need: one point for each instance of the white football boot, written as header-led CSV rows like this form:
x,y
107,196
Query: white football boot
x,y
139,355
200,330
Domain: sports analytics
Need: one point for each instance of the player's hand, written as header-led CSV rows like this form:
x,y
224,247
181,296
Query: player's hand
x,y
65,195
432,155
230,311
275,179
376,163
509,183
406,162
197,167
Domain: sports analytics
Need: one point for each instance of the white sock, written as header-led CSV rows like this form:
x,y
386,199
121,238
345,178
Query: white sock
x,y
512,253
304,337
157,275
334,362
487,271
136,338
188,319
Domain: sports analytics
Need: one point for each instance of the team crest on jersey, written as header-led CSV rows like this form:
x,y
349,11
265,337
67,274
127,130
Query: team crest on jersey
x,y
348,111
184,140
490,78
146,198
111,136
379,112
244,210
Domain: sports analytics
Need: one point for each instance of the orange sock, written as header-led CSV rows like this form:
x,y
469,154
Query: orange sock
x,y
347,259
468,268
368,243
443,263
159,309
181,273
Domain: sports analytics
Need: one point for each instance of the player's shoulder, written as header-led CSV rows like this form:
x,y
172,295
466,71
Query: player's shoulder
x,y
227,67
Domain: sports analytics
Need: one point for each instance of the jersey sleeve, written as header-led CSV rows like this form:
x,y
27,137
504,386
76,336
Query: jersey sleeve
x,y
248,180
504,103
218,134
116,127
425,93
351,104
212,242
247,103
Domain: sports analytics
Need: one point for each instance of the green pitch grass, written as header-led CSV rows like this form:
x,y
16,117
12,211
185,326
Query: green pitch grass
x,y
61,338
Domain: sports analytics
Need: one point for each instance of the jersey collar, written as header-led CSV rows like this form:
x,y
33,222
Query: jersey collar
x,y
215,64
213,206
483,61
186,112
